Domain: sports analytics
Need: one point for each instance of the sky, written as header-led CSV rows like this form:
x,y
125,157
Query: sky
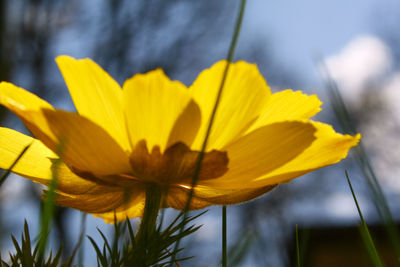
x,y
301,30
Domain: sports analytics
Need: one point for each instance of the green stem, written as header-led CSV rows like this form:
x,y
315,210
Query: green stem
x,y
49,206
297,247
224,238
229,59
149,220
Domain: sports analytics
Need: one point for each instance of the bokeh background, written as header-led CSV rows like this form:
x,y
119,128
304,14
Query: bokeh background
x,y
359,41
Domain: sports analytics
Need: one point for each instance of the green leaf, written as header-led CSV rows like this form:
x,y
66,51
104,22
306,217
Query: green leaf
x,y
24,255
100,257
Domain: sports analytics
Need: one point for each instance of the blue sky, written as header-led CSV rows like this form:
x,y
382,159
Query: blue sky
x,y
301,29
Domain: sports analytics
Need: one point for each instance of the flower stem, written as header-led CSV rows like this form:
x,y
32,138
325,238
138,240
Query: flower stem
x,y
224,238
229,58
149,220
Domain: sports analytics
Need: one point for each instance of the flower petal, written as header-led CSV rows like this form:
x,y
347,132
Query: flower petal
x,y
287,105
87,147
159,110
245,93
328,148
131,209
96,95
122,204
37,162
205,196
92,203
107,200
263,151
186,125
178,197
18,99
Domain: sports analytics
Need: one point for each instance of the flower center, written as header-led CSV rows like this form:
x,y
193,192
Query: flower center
x,y
177,165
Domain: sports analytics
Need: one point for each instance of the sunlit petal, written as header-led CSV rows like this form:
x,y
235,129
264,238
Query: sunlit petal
x,y
18,99
86,146
131,209
205,196
99,203
96,95
37,163
287,105
245,93
263,151
159,110
328,148
110,200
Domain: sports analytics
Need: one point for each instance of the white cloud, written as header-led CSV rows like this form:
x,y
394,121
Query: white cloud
x,y
341,205
363,60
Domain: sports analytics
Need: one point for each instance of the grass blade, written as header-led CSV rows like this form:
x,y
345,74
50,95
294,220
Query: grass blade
x,y
363,161
49,205
224,238
100,257
238,251
78,247
229,58
298,262
8,171
366,236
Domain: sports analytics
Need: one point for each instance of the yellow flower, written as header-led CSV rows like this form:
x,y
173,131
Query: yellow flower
x,y
151,132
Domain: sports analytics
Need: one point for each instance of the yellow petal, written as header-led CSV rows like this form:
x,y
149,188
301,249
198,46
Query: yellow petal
x,y
104,200
159,110
186,125
287,105
245,93
92,203
132,207
328,148
18,99
130,210
205,196
230,196
96,95
178,197
36,164
263,151
24,104
87,147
